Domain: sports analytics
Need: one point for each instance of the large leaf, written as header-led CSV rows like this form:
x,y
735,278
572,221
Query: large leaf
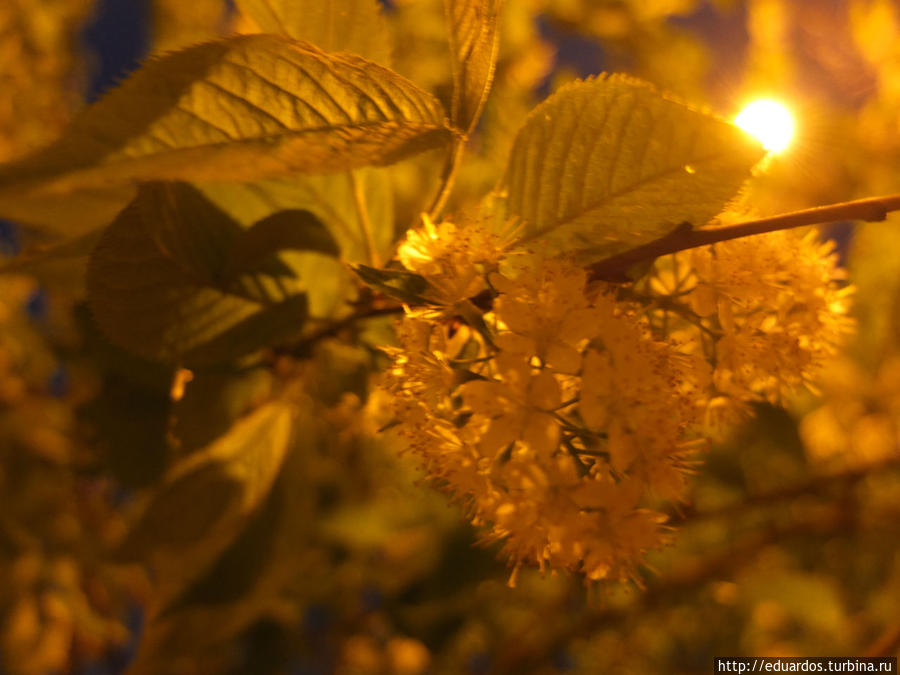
x,y
32,260
209,498
248,575
72,214
167,280
213,400
473,46
609,163
243,108
331,198
336,26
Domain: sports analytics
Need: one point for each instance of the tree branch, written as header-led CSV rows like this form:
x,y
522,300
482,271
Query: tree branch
x,y
300,347
615,269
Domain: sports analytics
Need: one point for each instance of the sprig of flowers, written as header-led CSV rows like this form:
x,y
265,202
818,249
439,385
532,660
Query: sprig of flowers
x,y
567,412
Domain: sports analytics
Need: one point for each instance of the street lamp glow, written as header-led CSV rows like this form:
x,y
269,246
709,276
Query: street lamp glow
x,y
770,121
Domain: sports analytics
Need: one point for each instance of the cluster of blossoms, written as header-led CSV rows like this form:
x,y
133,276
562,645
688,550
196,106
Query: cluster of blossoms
x,y
764,312
563,413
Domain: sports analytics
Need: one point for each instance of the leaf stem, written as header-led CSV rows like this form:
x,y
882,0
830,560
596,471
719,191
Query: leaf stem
x,y
683,237
359,199
300,347
448,176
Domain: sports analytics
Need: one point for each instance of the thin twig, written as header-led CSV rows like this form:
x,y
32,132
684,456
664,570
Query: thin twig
x,y
683,237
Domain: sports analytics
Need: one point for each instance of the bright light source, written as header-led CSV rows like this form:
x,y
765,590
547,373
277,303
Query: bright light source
x,y
770,121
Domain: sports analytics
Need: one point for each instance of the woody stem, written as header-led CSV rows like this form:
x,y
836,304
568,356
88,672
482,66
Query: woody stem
x,y
615,268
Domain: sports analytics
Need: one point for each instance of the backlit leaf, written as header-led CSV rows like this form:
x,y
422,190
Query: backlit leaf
x,y
291,229
213,400
609,163
209,497
473,45
243,108
163,282
355,26
177,24
247,577
329,197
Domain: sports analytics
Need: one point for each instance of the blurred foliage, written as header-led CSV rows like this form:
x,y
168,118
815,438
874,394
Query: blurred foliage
x,y
299,539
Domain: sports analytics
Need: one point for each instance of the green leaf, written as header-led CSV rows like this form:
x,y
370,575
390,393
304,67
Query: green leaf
x,y
70,214
208,499
162,283
213,400
329,197
243,108
474,41
129,415
609,163
33,259
240,578
233,475
241,566
295,229
355,26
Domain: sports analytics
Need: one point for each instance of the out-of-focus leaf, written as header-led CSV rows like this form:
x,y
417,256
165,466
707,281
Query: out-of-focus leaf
x,y
609,163
293,229
208,498
355,26
159,282
242,577
58,266
130,422
241,565
331,198
127,419
875,270
474,40
33,259
72,215
242,108
177,23
213,400
268,325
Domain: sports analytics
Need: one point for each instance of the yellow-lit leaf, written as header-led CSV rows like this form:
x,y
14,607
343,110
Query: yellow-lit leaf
x,y
609,163
209,497
165,281
330,198
177,23
243,108
245,579
473,45
355,26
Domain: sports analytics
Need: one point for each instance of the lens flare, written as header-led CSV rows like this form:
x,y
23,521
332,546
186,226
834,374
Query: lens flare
x,y
770,121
